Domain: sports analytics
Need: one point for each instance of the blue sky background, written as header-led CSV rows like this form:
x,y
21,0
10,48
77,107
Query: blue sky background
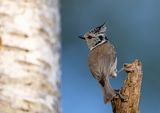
x,y
133,27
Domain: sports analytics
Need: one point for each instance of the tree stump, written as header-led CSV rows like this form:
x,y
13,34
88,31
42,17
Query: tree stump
x,y
131,90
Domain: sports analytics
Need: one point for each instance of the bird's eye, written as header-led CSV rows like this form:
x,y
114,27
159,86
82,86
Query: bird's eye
x,y
89,37
100,37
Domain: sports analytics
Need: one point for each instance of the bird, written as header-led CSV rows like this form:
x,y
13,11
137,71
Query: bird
x,y
102,59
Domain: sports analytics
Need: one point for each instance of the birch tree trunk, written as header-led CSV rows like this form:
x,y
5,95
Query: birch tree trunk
x,y
29,56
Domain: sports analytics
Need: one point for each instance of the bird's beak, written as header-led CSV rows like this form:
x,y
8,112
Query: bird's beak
x,y
81,37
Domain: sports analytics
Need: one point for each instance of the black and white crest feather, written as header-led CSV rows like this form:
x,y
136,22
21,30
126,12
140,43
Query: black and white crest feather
x,y
100,29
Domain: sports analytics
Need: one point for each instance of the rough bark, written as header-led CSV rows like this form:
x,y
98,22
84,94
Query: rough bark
x,y
29,56
131,90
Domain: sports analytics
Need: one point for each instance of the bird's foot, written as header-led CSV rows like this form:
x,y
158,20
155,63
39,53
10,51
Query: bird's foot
x,y
119,95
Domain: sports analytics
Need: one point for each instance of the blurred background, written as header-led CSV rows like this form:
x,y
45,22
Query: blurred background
x,y
133,27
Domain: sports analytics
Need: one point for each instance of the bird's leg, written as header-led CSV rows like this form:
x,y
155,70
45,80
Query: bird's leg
x,y
119,95
120,70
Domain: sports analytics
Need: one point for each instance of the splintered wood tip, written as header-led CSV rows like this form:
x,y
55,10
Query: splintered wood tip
x,y
132,67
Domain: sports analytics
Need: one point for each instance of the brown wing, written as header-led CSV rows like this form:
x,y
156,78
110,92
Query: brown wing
x,y
101,59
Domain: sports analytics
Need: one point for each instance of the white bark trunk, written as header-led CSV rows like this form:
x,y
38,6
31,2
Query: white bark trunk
x,y
29,56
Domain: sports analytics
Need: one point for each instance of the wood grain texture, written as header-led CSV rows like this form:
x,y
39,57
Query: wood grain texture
x,y
131,89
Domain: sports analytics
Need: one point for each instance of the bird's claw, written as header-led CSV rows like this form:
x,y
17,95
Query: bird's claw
x,y
119,95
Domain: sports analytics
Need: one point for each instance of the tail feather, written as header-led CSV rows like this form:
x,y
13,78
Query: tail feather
x,y
108,92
